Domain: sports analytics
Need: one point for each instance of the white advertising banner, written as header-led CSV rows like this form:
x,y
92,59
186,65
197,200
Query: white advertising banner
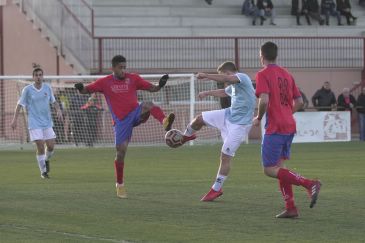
x,y
329,126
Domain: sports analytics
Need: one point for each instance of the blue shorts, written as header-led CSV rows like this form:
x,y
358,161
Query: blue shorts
x,y
274,148
123,128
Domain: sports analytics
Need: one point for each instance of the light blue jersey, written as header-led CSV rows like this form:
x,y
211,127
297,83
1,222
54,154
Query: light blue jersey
x,y
243,101
36,102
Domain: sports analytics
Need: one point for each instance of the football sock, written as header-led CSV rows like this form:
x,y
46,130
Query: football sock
x,y
189,131
41,162
293,178
119,170
287,192
219,182
157,113
49,154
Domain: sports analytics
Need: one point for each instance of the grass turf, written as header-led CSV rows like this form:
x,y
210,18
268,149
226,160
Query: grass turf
x,y
78,203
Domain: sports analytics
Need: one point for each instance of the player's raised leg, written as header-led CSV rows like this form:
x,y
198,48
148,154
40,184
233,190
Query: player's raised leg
x,y
157,113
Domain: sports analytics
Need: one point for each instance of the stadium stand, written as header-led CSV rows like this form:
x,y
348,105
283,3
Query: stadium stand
x,y
196,18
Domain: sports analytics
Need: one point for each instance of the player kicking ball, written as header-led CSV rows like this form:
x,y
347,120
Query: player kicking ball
x,y
120,92
234,122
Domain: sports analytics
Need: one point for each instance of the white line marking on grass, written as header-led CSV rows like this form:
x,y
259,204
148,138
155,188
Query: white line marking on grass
x,y
75,235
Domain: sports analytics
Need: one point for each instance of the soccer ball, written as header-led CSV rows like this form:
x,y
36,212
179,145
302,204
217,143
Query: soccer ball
x,y
174,138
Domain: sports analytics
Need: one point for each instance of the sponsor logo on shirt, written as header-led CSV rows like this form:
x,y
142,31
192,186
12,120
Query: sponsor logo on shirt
x,y
122,87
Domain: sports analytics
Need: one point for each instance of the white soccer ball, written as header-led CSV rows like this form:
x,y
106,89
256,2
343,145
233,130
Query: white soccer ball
x,y
174,138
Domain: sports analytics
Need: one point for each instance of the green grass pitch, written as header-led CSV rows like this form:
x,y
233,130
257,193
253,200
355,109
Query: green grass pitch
x,y
79,204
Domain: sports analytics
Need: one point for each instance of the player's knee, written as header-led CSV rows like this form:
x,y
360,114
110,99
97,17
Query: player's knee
x,y
146,106
198,121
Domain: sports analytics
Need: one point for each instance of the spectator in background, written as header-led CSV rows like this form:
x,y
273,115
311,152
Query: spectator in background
x,y
91,112
209,2
346,101
250,10
324,99
362,3
299,8
266,8
76,117
360,107
313,11
344,7
328,8
305,101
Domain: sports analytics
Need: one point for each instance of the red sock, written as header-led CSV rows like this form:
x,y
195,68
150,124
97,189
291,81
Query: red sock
x,y
119,169
287,192
293,178
157,113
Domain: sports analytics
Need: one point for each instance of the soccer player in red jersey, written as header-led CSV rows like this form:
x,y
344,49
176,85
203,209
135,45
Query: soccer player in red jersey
x,y
279,98
120,92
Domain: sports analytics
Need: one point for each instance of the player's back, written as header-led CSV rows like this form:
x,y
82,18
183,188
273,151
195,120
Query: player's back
x,y
282,91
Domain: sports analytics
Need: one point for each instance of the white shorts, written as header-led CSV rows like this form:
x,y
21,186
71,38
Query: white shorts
x,y
232,134
41,134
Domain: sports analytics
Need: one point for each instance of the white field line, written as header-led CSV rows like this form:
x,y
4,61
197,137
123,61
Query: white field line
x,y
71,235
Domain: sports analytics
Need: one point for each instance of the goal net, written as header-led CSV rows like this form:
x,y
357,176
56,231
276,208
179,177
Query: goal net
x,y
87,119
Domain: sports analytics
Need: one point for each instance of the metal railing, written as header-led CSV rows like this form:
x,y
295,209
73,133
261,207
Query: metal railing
x,y
68,24
72,25
175,54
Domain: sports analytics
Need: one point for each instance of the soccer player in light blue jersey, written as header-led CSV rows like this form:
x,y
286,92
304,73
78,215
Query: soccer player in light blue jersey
x,y
36,99
233,122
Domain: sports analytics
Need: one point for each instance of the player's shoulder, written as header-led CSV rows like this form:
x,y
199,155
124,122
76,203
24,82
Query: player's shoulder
x,y
105,78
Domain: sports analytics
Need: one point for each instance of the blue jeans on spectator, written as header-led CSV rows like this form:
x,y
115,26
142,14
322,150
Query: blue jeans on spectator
x,y
332,12
362,126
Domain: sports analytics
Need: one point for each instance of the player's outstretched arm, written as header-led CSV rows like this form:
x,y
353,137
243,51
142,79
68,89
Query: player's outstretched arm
x,y
231,79
215,93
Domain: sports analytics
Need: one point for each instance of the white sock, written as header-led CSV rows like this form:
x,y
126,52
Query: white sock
x,y
219,182
41,162
189,131
49,154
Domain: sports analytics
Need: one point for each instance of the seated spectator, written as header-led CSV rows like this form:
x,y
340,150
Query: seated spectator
x,y
299,8
344,7
346,101
360,107
329,8
362,3
313,11
249,9
324,99
305,101
266,8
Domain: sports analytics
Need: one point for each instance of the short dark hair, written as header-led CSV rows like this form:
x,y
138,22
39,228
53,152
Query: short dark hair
x,y
37,68
227,66
118,59
269,51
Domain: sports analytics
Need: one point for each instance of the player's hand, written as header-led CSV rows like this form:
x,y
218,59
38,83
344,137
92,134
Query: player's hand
x,y
13,125
202,76
256,122
79,86
163,80
203,94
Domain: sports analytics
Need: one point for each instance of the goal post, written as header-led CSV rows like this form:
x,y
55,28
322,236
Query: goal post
x,y
87,119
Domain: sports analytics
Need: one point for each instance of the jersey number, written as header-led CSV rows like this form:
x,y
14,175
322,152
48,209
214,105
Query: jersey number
x,y
284,91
